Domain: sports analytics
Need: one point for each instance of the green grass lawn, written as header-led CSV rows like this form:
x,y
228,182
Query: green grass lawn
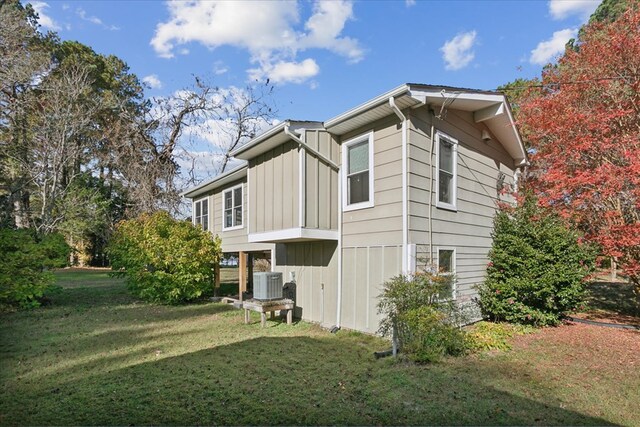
x,y
96,355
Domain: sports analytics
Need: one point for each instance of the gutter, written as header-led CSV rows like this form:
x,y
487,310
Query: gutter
x,y
405,210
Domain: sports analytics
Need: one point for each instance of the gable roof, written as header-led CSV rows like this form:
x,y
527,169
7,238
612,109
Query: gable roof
x,y
272,138
489,107
224,178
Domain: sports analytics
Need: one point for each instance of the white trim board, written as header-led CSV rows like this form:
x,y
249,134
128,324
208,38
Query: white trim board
x,y
297,233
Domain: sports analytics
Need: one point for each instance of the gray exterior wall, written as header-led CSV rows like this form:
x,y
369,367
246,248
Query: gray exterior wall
x,y
232,240
479,164
372,237
315,265
274,189
365,269
321,182
381,224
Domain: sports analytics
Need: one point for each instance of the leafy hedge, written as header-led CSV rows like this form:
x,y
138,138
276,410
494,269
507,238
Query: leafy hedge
x,y
164,260
25,258
425,325
537,267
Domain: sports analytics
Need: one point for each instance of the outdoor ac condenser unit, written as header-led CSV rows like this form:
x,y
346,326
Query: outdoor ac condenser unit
x,y
267,286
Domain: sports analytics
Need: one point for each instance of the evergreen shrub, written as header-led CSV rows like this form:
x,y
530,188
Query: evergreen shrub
x,y
163,259
537,267
25,259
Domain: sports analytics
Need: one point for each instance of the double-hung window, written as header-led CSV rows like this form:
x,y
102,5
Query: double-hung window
x,y
232,208
357,185
446,178
201,213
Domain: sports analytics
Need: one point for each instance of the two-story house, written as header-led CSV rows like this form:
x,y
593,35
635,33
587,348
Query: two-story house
x,y
406,180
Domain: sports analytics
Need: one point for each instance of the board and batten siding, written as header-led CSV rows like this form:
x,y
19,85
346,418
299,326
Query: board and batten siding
x,y
315,265
364,271
321,182
274,189
480,167
232,240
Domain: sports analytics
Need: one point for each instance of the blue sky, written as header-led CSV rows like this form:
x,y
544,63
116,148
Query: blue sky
x,y
324,57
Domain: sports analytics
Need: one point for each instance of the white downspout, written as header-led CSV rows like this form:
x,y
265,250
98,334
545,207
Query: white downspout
x,y
305,146
339,303
431,189
405,220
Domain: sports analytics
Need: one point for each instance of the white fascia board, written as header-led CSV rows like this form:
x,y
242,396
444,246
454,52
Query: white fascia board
x,y
424,95
216,182
257,140
297,233
381,99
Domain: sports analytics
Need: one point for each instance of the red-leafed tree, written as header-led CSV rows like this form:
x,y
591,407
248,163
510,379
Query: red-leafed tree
x,y
584,128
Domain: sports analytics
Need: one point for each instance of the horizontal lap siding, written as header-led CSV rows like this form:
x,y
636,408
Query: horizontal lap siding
x,y
274,189
233,240
468,230
381,224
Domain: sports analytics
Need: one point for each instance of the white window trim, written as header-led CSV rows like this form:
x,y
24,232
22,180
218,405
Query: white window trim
x,y
193,211
345,168
226,190
454,287
443,205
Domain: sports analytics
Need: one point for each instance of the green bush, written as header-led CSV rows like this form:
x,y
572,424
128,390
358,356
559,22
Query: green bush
x,y
425,324
537,267
164,260
24,259
485,336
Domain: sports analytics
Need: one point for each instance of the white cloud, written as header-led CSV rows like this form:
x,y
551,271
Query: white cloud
x,y
548,49
286,72
561,9
153,81
219,68
269,31
457,52
409,3
82,14
45,20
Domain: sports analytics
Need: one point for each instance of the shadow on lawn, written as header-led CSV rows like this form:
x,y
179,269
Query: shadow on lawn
x,y
294,380
616,297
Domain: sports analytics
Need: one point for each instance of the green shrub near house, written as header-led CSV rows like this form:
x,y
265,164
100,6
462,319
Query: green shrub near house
x,y
25,259
425,323
537,267
164,260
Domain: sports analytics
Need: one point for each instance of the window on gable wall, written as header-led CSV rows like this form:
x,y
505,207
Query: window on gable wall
x,y
446,178
358,181
232,208
201,213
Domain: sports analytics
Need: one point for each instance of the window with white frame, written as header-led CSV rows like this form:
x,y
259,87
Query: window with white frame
x,y
357,183
446,178
201,213
447,266
232,208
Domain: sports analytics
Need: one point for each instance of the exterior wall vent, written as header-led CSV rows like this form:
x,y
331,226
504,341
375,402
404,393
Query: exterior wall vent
x,y
267,286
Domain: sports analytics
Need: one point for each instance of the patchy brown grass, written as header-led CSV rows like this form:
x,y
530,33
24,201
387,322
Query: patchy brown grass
x,y
97,356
